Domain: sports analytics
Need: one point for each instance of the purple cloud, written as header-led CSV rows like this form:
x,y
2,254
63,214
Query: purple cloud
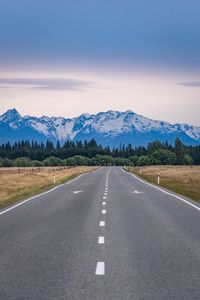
x,y
190,83
49,83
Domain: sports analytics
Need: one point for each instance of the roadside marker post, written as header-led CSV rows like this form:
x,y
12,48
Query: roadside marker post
x,y
158,181
54,179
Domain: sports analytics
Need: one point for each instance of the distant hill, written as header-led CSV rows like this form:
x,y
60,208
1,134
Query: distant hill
x,y
107,128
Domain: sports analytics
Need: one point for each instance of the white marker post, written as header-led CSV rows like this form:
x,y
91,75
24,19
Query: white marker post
x,y
54,179
158,178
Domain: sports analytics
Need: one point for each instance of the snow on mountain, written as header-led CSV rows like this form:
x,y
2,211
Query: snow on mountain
x,y
12,117
192,131
109,128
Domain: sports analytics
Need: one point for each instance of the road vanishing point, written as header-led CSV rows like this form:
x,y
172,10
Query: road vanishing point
x,y
106,242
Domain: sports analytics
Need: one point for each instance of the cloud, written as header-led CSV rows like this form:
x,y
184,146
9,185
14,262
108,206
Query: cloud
x,y
190,83
48,83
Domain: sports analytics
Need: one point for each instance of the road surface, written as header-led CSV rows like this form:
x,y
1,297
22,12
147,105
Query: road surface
x,y
106,235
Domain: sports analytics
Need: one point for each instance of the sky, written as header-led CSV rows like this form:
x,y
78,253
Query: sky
x,y
68,57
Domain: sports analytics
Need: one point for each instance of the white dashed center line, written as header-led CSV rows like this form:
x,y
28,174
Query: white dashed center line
x,y
107,177
101,240
77,192
102,223
100,268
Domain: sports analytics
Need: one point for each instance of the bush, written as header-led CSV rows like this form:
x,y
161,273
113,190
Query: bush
x,y
188,160
37,163
143,161
164,157
134,159
103,160
53,161
22,162
78,160
7,163
1,162
119,161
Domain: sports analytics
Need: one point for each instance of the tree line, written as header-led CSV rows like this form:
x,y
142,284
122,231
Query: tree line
x,y
32,154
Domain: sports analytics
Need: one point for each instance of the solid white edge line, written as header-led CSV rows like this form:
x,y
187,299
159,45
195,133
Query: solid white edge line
x,y
101,240
100,268
102,223
44,193
165,192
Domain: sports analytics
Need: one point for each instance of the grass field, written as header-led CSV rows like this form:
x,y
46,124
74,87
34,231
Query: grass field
x,y
17,184
184,180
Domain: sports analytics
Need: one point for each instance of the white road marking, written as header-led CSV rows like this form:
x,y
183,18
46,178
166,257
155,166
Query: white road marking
x,y
39,195
77,192
103,203
101,240
103,211
100,268
104,197
165,192
107,177
102,223
105,194
136,192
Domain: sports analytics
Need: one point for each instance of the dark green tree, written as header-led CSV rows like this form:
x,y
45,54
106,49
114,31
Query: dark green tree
x,y
179,151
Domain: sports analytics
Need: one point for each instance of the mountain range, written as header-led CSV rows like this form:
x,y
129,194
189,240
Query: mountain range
x,y
107,128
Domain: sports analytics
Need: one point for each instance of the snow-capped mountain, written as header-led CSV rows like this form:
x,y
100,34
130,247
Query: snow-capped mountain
x,y
108,128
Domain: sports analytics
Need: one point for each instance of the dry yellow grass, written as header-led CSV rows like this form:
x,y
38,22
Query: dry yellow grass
x,y
16,184
183,180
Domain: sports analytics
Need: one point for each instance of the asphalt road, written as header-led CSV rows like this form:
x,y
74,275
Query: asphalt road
x,y
147,247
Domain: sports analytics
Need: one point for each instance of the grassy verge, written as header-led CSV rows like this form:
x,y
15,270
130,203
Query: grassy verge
x,y
17,184
183,180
